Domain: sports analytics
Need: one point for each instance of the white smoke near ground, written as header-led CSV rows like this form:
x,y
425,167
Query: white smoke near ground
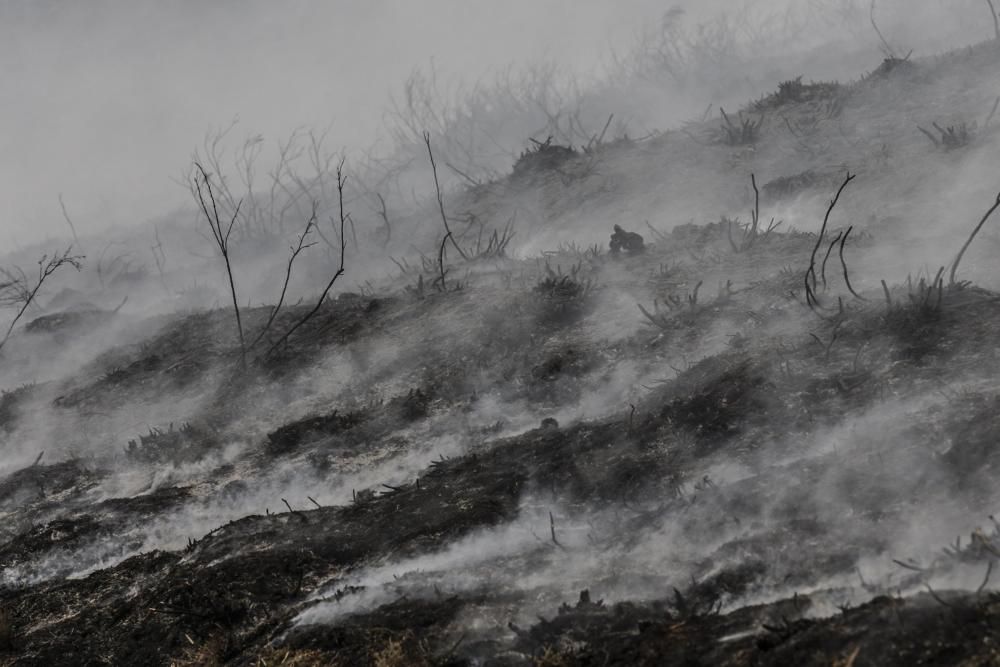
x,y
550,552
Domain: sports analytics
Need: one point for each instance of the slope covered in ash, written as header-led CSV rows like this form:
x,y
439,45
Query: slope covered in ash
x,y
749,443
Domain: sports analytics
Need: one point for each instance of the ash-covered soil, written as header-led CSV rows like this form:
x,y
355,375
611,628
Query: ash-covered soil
x,y
679,456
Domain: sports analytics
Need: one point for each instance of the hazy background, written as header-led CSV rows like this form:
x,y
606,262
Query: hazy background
x,y
103,101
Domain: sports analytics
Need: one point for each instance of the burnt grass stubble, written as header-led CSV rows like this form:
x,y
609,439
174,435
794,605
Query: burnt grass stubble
x,y
232,595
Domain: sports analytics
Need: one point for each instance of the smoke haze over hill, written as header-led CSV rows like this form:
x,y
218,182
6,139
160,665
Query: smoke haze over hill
x,y
103,101
524,334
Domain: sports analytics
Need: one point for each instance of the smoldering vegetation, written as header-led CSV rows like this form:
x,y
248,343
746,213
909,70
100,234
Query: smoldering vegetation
x,y
720,394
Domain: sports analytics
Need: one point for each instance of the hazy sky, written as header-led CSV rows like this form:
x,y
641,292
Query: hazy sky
x,y
104,100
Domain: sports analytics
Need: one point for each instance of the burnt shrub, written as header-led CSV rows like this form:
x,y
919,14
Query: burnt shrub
x,y
288,437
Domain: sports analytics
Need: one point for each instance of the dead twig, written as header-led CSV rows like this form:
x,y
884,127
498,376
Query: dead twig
x,y
383,213
886,48
810,275
843,263
552,531
909,566
938,598
986,579
440,197
829,251
439,283
341,180
954,266
996,20
220,234
295,512
746,133
16,289
296,251
693,297
69,221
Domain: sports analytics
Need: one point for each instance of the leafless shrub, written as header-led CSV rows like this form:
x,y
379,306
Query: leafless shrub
x,y
490,243
540,158
418,289
891,55
563,295
597,141
301,245
448,236
206,192
752,232
961,134
341,181
665,308
675,53
185,442
19,291
924,295
951,137
665,278
787,186
221,233
891,64
560,287
576,251
384,215
810,279
110,266
794,91
496,243
303,172
473,127
744,133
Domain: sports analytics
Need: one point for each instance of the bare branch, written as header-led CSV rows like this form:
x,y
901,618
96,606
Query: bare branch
x,y
986,578
829,249
440,197
221,238
996,20
296,251
887,49
17,289
810,276
954,266
341,179
384,214
843,263
69,221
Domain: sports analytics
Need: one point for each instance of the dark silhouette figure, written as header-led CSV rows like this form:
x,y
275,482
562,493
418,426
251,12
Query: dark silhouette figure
x,y
630,242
